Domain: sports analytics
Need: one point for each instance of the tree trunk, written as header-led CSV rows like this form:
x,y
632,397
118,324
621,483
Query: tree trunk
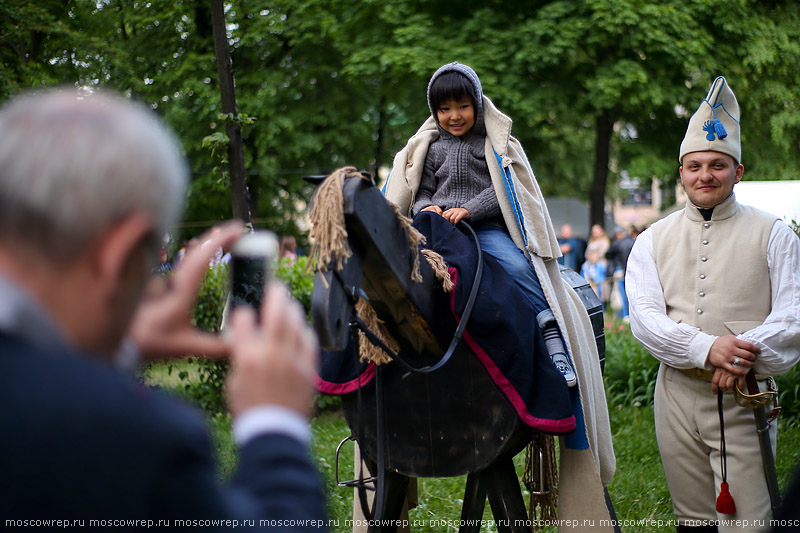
x,y
232,128
604,124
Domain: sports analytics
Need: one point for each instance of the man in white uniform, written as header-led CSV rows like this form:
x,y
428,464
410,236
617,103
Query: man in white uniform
x,y
714,293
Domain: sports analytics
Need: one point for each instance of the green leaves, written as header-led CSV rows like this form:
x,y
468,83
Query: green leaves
x,y
340,82
630,371
298,279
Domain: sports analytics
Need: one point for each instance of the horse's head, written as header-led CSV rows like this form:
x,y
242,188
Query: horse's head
x,y
363,249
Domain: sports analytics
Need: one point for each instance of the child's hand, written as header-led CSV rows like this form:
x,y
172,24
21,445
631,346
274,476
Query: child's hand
x,y
456,214
434,208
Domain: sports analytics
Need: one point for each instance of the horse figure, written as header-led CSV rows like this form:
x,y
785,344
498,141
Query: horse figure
x,y
415,422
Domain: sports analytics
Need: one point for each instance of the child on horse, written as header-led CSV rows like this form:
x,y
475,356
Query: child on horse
x,y
464,164
456,184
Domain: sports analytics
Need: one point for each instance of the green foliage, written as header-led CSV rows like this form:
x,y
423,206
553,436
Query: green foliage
x,y
638,491
789,396
630,371
630,376
207,311
200,381
296,277
338,82
203,381
207,388
301,285
324,403
217,142
226,450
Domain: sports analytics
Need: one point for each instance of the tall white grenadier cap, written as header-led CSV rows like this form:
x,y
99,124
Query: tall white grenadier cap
x,y
715,124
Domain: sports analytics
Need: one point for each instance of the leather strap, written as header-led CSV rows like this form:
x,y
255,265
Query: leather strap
x,y
752,384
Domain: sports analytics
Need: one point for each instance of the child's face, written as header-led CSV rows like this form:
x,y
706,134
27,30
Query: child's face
x,y
456,116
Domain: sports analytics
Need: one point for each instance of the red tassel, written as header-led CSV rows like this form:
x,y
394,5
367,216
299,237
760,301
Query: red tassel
x,y
725,503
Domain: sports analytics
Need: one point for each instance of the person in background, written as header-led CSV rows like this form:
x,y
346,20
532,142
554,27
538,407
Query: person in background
x,y
598,240
288,249
714,291
599,244
178,259
572,249
164,267
617,264
88,187
594,271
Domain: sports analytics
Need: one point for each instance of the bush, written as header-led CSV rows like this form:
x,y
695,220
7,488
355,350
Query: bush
x,y
207,312
789,396
206,389
630,376
300,283
630,372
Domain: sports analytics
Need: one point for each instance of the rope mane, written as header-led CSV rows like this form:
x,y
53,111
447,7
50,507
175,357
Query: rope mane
x,y
330,249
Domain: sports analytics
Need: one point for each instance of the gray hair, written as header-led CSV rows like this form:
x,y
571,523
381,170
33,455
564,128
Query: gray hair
x,y
70,166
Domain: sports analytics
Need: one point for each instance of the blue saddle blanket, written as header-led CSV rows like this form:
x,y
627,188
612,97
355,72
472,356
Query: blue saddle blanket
x,y
501,333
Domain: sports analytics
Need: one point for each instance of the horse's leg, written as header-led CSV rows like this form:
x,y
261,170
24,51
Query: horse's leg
x,y
474,502
393,506
401,494
505,496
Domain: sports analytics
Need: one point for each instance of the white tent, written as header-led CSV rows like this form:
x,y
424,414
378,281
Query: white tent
x,y
781,198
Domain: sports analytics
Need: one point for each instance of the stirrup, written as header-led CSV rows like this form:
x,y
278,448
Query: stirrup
x,y
362,483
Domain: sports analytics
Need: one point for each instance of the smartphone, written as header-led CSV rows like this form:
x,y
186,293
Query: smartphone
x,y
253,258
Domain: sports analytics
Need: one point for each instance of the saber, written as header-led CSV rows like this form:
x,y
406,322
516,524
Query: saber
x,y
762,428
757,400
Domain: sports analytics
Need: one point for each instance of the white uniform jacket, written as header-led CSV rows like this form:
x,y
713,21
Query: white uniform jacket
x,y
680,345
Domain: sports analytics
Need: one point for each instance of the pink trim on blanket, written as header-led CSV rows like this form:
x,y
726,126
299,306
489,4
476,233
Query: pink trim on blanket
x,y
328,387
561,426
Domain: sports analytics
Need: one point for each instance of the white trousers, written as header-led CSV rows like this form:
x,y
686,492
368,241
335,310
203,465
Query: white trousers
x,y
688,433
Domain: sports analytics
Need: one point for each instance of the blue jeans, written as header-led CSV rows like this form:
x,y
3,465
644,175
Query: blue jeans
x,y
497,243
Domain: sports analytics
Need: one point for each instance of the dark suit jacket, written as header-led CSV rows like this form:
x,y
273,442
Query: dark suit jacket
x,y
78,440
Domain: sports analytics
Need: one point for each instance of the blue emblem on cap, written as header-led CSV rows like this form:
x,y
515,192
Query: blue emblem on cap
x,y
709,127
714,127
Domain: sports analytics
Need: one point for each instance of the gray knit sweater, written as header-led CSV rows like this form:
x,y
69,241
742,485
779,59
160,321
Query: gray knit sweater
x,y
455,172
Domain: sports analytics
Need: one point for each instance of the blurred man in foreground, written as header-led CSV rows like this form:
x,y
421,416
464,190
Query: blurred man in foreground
x,y
88,187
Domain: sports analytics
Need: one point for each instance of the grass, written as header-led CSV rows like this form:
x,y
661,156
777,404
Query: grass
x,y
171,376
638,490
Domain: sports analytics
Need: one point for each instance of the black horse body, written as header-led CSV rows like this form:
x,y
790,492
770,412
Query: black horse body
x,y
444,423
